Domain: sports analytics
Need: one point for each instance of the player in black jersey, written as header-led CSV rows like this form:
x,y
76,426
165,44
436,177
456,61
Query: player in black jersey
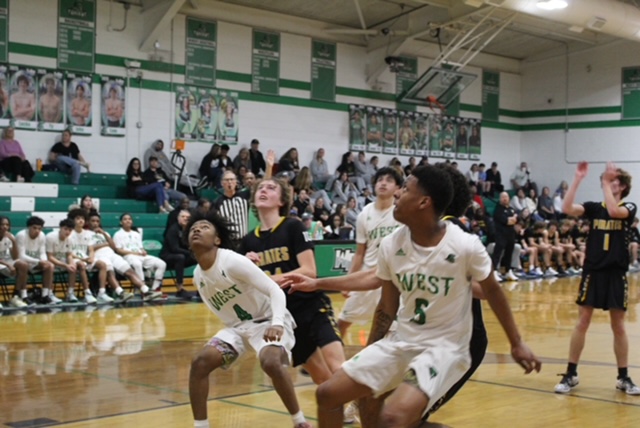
x,y
280,245
604,281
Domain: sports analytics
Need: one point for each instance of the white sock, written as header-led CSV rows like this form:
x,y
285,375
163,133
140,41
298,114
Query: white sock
x,y
45,292
144,289
70,291
119,291
298,418
201,424
101,291
156,285
88,292
23,293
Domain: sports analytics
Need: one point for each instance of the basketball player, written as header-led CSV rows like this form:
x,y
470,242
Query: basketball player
x,y
50,103
11,266
80,108
253,310
424,269
604,281
114,108
23,102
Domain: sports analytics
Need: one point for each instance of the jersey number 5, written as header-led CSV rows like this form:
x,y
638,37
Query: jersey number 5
x,y
420,316
241,313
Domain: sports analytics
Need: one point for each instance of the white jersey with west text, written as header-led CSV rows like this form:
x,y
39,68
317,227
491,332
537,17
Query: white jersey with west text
x,y
59,249
371,226
80,243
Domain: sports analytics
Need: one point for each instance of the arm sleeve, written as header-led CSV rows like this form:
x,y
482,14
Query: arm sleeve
x,y
245,271
22,250
41,244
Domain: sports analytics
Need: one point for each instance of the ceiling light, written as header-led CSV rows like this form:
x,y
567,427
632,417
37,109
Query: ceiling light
x,y
552,4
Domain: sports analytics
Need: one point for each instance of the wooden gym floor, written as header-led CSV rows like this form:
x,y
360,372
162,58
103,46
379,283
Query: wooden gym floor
x,y
128,367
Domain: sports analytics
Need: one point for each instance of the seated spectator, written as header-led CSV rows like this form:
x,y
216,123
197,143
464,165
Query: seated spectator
x,y
172,218
157,150
288,164
337,229
518,202
128,242
176,253
409,167
352,211
65,155
320,212
348,166
475,198
545,205
138,188
557,204
424,160
11,266
301,202
482,185
313,229
241,173
304,181
537,238
247,185
343,189
13,161
233,207
225,161
365,198
210,167
494,180
521,177
155,174
319,168
242,159
203,206
362,169
258,165
472,175
532,203
563,186
87,205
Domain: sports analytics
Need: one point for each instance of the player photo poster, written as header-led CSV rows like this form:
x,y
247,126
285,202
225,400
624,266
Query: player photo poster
x,y
23,94
374,129
112,105
228,117
406,133
475,142
5,114
422,134
50,100
357,127
435,129
187,112
389,129
462,138
448,137
79,95
207,129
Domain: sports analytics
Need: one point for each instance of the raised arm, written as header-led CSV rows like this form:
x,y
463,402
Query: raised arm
x,y
614,210
568,205
359,281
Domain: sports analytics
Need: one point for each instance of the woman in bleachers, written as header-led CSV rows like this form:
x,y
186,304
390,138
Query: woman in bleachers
x,y
242,159
349,167
321,212
343,189
288,164
13,161
304,180
320,168
139,189
352,211
86,203
210,168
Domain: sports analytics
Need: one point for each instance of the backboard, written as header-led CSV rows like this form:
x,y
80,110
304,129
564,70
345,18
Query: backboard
x,y
442,84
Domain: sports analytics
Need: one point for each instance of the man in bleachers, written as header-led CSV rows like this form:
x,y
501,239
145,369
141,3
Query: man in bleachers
x,y
258,165
176,253
65,155
155,174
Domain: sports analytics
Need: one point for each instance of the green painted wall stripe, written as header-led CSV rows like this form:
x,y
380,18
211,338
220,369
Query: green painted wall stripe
x,y
35,50
295,84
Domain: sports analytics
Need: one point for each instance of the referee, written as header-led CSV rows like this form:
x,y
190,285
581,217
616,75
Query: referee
x,y
233,207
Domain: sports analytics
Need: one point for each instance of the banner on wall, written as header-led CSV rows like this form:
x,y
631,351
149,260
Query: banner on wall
x,y
448,137
357,127
475,142
228,117
23,97
5,114
422,134
79,113
187,113
374,129
50,100
462,138
406,133
208,129
390,126
113,106
435,129
77,35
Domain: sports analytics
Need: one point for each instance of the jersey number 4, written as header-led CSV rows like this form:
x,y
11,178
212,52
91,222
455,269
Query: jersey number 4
x,y
241,313
420,316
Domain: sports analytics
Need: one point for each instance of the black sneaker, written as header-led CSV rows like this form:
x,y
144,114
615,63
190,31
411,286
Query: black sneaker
x,y
184,294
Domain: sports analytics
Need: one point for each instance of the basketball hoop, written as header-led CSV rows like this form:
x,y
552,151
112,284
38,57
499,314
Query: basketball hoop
x,y
433,103
178,145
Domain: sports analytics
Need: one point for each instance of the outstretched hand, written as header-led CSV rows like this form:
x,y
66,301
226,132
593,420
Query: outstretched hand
x,y
271,157
582,169
610,172
526,358
296,282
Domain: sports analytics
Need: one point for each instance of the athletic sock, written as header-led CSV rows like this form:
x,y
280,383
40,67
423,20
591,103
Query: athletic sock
x,y
70,291
572,369
144,289
102,291
298,418
201,424
156,285
622,373
119,291
45,292
23,293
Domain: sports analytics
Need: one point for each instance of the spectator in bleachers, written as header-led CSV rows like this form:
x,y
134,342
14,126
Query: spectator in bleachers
x,y
352,211
532,203
319,168
60,253
32,249
338,229
363,169
494,180
545,205
128,242
242,159
225,161
210,167
321,212
304,181
66,156
348,166
155,174
482,184
472,175
175,252
138,188
343,189
314,229
13,161
172,218
233,207
563,186
203,206
258,165
475,198
518,202
521,177
409,167
157,150
289,165
301,202
86,204
557,204
11,266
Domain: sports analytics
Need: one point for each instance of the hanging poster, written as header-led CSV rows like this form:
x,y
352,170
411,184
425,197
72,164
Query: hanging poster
x,y
228,117
22,101
475,142
113,106
79,113
200,52
448,137
462,138
406,133
435,130
77,35
390,128
207,130
5,114
50,100
357,122
422,134
374,129
187,112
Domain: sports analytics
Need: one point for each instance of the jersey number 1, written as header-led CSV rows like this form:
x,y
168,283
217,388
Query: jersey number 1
x,y
241,313
420,316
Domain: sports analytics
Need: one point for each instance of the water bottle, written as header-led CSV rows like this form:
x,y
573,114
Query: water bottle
x,y
38,164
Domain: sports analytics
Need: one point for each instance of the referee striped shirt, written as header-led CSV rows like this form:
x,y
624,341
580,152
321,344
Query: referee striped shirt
x,y
234,209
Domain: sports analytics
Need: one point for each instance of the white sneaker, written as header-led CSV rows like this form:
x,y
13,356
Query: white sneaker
x,y
151,295
71,298
537,271
17,302
567,383
89,299
627,386
497,276
551,272
104,298
351,414
510,276
4,179
54,299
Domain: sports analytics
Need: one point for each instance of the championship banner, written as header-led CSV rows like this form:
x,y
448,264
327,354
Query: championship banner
x,y
374,129
207,129
187,113
79,112
50,100
448,137
228,117
113,106
435,129
22,101
462,139
475,142
357,122
5,114
422,134
406,133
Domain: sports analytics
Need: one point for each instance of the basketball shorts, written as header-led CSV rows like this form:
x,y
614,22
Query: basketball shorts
x,y
603,289
250,334
316,327
4,270
114,262
438,364
360,305
33,267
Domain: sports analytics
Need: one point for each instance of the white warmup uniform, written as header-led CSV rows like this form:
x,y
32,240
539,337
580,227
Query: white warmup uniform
x,y
30,250
371,226
108,256
245,299
132,241
80,243
434,317
5,255
59,249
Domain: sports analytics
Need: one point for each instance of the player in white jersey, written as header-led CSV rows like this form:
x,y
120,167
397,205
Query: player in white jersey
x,y
60,253
424,271
11,266
374,223
250,305
129,245
104,249
31,249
